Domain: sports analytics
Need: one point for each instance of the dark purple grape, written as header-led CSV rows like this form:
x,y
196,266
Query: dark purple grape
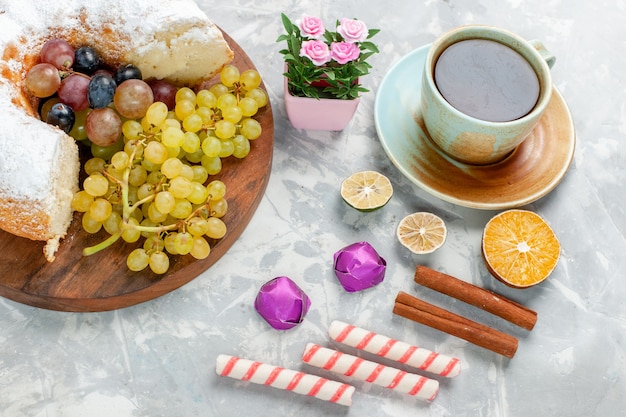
x,y
101,91
73,91
86,60
127,72
104,71
62,116
164,92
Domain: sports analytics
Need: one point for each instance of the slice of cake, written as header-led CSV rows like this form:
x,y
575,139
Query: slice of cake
x,y
39,164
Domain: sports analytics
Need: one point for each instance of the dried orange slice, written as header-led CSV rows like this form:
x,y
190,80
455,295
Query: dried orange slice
x,y
366,190
422,232
520,248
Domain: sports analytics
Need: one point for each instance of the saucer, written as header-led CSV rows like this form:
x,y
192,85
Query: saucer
x,y
531,171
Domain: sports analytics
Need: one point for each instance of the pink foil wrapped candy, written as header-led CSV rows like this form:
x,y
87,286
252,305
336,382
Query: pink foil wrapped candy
x,y
358,267
282,303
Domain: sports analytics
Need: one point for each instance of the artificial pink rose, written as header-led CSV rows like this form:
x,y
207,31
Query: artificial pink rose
x,y
352,30
343,52
316,51
311,27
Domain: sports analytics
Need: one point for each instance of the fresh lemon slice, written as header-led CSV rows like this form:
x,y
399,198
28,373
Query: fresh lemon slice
x,y
519,248
366,190
422,232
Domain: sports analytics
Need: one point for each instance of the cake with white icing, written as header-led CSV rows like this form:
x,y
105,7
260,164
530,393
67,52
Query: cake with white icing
x,y
39,163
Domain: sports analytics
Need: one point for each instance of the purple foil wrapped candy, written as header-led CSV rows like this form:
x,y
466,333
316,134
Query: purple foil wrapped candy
x,y
282,303
358,267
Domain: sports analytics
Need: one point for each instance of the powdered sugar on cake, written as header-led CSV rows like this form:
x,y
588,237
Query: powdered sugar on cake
x,y
39,165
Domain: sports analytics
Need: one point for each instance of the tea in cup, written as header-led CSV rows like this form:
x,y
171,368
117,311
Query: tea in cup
x,y
483,91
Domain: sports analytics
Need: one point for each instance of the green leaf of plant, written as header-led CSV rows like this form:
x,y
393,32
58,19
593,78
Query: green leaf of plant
x,y
343,80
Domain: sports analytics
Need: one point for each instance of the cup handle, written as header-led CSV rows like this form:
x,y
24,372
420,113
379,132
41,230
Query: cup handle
x,y
545,54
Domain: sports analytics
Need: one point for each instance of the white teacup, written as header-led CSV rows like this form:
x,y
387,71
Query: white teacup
x,y
473,138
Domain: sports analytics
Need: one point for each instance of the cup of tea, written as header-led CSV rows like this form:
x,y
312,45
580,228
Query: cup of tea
x,y
483,91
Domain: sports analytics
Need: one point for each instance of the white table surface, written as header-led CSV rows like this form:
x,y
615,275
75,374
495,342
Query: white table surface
x,y
158,358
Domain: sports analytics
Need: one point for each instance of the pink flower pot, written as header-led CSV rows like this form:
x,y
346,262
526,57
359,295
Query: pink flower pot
x,y
323,114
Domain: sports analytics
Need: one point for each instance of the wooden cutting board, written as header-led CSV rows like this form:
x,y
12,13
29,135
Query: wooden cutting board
x,y
102,281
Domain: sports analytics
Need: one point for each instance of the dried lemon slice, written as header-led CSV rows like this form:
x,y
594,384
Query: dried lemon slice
x,y
366,190
519,248
422,232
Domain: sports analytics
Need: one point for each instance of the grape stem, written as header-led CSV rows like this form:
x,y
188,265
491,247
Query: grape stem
x,y
102,245
127,211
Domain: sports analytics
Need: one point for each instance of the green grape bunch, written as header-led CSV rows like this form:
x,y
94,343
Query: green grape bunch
x,y
155,182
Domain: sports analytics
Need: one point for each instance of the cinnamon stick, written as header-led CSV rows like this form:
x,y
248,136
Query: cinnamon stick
x,y
422,312
479,297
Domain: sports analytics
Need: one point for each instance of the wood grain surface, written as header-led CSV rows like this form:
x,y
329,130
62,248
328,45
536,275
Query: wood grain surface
x,y
102,281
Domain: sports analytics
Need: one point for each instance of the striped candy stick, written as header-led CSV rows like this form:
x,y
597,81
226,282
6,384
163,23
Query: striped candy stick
x,y
286,379
395,350
364,370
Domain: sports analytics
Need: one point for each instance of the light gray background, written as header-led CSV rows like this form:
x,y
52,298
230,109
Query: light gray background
x,y
158,358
